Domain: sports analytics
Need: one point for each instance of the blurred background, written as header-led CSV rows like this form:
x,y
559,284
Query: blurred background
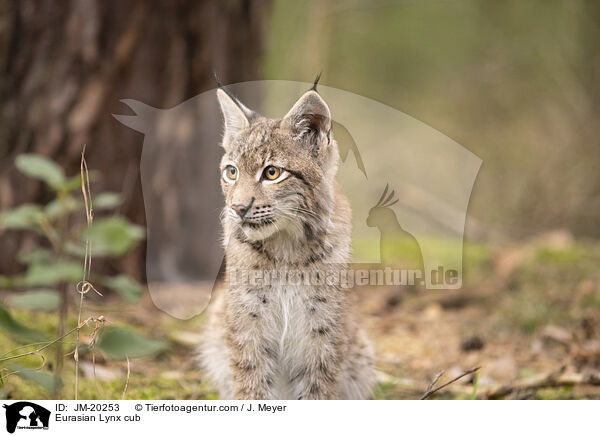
x,y
515,82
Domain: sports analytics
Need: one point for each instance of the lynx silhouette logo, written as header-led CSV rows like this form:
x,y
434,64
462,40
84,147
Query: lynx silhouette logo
x,y
432,177
26,415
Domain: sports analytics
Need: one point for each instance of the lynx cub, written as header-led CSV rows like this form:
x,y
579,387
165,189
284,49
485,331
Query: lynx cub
x,y
284,213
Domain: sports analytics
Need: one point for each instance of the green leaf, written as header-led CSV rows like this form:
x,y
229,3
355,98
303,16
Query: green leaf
x,y
113,236
41,299
10,282
18,332
37,255
106,200
26,216
125,285
119,344
41,168
72,183
53,273
75,249
57,208
5,282
38,376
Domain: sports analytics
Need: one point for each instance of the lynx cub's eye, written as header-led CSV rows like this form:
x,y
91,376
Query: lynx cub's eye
x,y
230,174
272,173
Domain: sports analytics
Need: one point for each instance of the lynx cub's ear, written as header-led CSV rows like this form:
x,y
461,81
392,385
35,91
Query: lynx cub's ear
x,y
310,116
235,114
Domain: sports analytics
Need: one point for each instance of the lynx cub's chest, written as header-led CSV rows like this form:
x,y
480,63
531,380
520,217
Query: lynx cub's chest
x,y
286,326
288,315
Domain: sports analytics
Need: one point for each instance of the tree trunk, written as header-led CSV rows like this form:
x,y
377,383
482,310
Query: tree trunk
x,y
66,64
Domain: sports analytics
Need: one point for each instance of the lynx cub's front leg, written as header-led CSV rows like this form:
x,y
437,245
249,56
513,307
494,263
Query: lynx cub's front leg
x,y
252,355
318,366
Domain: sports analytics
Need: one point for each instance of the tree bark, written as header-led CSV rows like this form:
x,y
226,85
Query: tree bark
x,y
66,64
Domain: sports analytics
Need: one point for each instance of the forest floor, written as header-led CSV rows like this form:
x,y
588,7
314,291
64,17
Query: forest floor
x,y
528,315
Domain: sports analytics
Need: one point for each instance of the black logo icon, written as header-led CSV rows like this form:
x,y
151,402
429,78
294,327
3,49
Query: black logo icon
x,y
26,415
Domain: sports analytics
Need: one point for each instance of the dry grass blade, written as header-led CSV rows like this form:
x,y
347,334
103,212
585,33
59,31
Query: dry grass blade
x,y
84,286
127,380
435,380
41,356
38,350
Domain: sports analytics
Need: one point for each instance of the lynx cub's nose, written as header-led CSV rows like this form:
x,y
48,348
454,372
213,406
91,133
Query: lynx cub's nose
x,y
242,209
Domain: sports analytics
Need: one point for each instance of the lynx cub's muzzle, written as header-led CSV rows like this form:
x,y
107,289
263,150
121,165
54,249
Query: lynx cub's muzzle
x,y
242,209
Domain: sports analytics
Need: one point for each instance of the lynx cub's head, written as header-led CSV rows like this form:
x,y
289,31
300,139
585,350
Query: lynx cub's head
x,y
277,174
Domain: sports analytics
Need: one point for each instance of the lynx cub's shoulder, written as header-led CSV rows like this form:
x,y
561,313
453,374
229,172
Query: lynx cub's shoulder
x,y
285,221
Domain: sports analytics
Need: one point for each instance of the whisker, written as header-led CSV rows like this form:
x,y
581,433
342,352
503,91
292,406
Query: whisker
x,y
304,211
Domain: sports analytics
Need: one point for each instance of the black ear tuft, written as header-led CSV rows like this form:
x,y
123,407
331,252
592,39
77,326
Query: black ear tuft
x,y
229,94
248,113
314,87
219,84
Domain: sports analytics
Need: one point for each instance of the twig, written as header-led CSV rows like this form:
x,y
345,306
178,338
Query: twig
x,y
63,309
60,330
431,391
127,380
50,233
556,378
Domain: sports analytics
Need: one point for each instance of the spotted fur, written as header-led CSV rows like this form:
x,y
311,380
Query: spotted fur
x,y
298,340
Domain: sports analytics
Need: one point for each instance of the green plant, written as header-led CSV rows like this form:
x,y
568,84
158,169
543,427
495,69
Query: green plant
x,y
58,269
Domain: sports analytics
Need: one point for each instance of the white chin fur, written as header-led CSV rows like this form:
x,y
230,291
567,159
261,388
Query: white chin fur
x,y
260,233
